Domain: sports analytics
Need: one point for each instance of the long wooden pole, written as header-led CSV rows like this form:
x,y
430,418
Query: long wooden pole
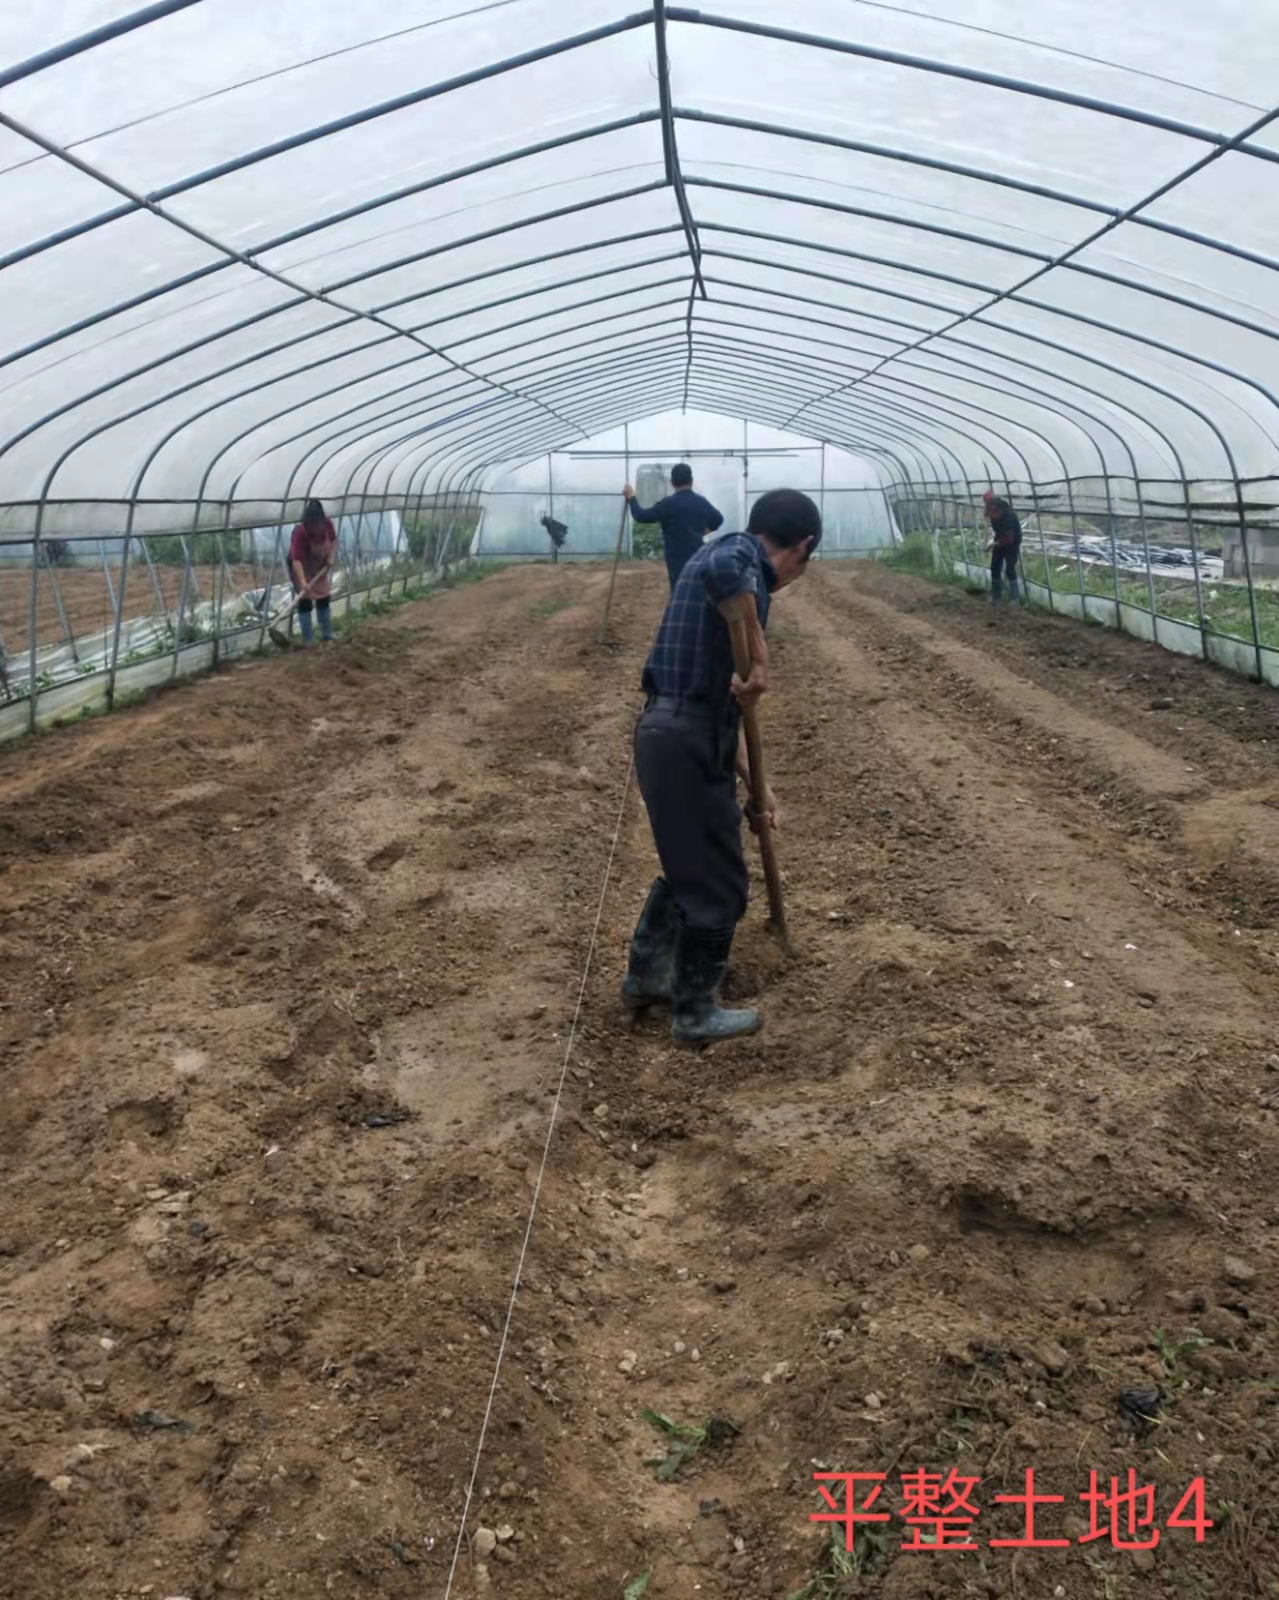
x,y
612,582
759,789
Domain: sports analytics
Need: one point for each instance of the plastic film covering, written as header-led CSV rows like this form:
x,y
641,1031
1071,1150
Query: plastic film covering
x,y
385,254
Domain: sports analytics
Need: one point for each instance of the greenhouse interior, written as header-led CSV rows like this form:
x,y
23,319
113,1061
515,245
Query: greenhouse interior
x,y
383,1210
959,258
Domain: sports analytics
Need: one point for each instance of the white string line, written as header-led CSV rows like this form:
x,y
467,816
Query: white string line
x,y
537,1189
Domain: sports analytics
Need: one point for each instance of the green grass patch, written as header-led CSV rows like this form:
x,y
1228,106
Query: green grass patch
x,y
839,1576
1173,1352
924,555
940,557
686,1441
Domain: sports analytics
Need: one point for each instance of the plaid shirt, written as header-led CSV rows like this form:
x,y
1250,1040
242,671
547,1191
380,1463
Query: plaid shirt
x,y
692,656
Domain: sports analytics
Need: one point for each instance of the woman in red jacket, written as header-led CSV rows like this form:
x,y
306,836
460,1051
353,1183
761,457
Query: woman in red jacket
x,y
312,553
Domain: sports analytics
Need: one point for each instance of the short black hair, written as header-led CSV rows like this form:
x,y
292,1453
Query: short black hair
x,y
786,518
682,477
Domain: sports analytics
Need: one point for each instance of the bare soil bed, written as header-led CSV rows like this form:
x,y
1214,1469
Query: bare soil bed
x,y
291,958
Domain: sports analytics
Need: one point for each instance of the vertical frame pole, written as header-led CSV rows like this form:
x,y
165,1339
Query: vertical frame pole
x,y
63,623
1145,545
626,478
33,641
183,591
1247,569
219,589
1194,564
119,605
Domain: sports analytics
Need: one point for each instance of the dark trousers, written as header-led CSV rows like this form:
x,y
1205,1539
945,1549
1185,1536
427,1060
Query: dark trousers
x,y
1004,562
685,759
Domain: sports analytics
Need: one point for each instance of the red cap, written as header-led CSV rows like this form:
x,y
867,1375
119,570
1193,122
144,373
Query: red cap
x,y
988,496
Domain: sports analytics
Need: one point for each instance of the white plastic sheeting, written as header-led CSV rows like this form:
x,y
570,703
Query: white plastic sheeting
x,y
733,464
251,252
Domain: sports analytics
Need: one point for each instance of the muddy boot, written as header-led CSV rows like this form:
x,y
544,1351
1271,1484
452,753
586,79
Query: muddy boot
x,y
1016,594
996,589
696,1014
651,970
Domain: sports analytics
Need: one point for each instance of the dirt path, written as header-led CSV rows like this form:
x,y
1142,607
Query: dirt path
x,y
290,957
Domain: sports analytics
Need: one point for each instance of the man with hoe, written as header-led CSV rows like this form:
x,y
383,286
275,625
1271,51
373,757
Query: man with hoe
x,y
689,752
685,517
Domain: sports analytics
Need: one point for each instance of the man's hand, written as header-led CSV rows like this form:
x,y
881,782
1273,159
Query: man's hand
x,y
628,493
770,817
751,691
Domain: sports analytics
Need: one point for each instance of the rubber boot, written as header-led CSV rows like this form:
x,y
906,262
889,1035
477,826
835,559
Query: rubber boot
x,y
1015,596
650,972
697,1017
996,589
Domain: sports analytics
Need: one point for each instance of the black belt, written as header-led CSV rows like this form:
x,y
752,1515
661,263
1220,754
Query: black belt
x,y
688,706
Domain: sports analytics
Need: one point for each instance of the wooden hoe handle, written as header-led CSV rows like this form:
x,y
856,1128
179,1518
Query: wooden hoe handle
x,y
759,787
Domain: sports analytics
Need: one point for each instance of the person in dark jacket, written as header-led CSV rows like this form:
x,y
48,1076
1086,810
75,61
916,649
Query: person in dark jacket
x,y
557,533
1005,549
685,516
689,753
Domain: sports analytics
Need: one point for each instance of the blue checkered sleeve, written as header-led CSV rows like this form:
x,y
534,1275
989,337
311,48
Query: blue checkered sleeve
x,y
692,656
733,569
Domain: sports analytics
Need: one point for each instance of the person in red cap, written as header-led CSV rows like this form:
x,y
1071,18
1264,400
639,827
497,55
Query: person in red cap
x,y
1005,549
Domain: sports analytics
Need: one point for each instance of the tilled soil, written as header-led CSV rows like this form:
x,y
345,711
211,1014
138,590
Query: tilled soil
x,y
291,961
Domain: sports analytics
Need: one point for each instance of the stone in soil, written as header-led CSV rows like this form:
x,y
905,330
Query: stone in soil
x,y
1237,1270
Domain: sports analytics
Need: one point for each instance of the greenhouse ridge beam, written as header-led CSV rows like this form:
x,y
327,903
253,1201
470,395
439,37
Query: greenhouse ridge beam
x,y
675,177
670,145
